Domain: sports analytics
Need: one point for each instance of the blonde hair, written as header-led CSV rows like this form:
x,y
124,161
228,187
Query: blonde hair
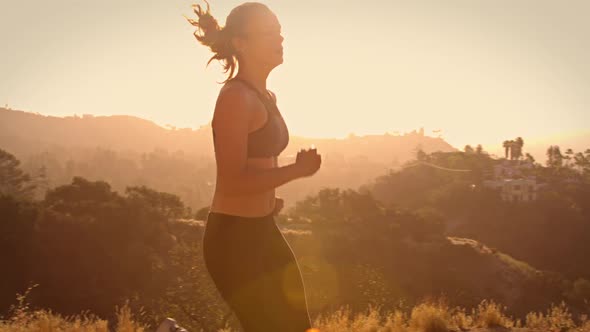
x,y
217,38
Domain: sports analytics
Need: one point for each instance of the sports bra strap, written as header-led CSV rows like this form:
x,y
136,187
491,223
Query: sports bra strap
x,y
248,84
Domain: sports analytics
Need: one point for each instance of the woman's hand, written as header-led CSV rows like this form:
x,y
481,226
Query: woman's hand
x,y
279,203
308,161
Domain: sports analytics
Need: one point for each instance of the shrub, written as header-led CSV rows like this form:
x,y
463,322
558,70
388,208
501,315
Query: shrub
x,y
491,315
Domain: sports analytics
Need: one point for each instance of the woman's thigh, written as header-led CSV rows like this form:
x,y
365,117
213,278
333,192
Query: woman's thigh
x,y
233,256
285,292
257,274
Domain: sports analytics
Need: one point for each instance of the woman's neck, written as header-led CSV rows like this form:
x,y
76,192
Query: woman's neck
x,y
255,77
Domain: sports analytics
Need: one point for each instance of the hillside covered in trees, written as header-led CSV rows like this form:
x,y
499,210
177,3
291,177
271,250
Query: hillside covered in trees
x,y
430,229
130,151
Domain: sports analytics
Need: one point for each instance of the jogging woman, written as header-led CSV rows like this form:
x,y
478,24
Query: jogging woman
x,y
247,256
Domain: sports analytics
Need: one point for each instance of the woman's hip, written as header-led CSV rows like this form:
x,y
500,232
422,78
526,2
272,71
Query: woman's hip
x,y
233,239
235,242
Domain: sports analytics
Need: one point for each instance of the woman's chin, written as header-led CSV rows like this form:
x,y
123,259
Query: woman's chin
x,y
276,62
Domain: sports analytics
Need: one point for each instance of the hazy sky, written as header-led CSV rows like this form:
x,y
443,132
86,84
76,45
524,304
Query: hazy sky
x,y
482,71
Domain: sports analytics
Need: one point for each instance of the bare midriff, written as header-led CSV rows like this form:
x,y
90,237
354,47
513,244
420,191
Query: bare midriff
x,y
249,205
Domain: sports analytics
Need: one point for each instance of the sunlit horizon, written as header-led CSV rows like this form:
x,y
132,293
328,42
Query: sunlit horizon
x,y
479,72
446,187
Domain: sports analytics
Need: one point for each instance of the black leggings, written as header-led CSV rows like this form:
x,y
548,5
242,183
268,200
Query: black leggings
x,y
256,273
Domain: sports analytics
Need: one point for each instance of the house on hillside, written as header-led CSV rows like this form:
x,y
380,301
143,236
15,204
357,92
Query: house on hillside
x,y
510,179
515,190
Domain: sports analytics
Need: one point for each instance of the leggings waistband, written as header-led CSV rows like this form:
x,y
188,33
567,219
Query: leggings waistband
x,y
225,216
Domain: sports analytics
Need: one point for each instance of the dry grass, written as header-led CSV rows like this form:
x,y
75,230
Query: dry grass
x,y
557,318
491,315
425,317
372,320
46,321
24,319
430,317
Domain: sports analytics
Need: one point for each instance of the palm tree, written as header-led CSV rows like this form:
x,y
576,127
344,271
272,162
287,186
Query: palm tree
x,y
518,144
512,149
506,145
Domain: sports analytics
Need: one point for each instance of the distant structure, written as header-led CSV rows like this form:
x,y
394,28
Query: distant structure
x,y
511,168
515,190
510,178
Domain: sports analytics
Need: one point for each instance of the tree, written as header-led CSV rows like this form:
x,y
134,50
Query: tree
x,y
511,148
420,154
517,146
569,155
554,157
514,147
558,157
549,155
168,204
479,149
468,149
17,222
581,161
100,246
506,145
13,181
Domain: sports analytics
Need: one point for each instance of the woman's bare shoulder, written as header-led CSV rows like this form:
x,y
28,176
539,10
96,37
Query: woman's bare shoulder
x,y
232,103
235,90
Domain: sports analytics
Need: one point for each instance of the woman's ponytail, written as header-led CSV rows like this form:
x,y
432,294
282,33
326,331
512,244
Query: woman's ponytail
x,y
219,39
210,34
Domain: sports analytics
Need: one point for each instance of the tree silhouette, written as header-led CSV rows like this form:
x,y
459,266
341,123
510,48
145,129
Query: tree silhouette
x,y
513,148
506,144
517,146
569,155
13,181
554,157
479,149
101,246
582,161
168,204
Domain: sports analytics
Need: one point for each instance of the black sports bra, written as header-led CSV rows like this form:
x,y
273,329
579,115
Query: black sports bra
x,y
270,139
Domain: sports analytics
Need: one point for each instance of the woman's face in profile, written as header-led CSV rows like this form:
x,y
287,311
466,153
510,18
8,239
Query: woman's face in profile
x,y
262,41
